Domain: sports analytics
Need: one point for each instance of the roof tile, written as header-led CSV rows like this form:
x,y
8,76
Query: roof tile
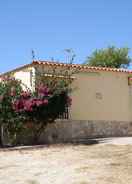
x,y
82,67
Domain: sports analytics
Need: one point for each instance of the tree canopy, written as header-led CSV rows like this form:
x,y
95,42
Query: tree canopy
x,y
27,112
110,57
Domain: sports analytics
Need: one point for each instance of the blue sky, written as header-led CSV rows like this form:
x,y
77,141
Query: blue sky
x,y
50,26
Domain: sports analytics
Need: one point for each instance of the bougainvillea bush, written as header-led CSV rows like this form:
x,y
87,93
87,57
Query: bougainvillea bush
x,y
22,109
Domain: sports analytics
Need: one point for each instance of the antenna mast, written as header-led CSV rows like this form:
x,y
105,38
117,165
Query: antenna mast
x,y
33,55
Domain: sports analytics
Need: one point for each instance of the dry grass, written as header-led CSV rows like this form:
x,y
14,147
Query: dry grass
x,y
62,164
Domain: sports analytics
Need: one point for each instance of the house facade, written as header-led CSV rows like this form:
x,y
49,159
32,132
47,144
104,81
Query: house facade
x,y
101,95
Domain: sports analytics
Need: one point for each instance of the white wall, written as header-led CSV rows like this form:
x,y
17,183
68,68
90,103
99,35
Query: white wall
x,y
25,77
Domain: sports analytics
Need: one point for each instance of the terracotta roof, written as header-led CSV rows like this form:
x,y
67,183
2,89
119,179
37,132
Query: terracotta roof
x,y
81,67
74,66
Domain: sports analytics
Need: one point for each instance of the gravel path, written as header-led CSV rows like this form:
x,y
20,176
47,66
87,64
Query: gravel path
x,y
106,163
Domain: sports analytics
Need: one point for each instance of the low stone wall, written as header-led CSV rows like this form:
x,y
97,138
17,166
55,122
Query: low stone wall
x,y
69,130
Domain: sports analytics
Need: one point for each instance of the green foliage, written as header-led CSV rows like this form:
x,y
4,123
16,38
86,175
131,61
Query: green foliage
x,y
33,110
109,57
9,89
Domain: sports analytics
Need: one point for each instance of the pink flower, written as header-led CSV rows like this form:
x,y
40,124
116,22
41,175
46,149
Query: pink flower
x,y
45,102
17,105
25,94
39,102
28,105
42,90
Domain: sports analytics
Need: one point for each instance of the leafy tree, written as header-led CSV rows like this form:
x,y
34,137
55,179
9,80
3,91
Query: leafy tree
x,y
33,109
109,57
9,90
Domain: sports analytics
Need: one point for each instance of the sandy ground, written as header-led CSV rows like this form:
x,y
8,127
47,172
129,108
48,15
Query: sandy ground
x,y
104,163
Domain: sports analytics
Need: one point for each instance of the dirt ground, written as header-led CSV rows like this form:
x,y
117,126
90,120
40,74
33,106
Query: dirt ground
x,y
68,164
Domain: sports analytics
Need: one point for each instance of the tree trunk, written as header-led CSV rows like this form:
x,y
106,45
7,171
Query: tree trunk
x,y
1,136
37,133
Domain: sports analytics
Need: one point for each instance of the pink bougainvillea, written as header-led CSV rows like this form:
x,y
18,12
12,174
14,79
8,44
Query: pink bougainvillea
x,y
25,94
42,90
45,101
26,102
34,109
18,105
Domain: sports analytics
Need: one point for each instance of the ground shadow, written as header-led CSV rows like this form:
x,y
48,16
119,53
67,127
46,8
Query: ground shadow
x,y
80,141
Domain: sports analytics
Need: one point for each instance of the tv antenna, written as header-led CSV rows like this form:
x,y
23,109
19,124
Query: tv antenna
x,y
33,55
70,55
